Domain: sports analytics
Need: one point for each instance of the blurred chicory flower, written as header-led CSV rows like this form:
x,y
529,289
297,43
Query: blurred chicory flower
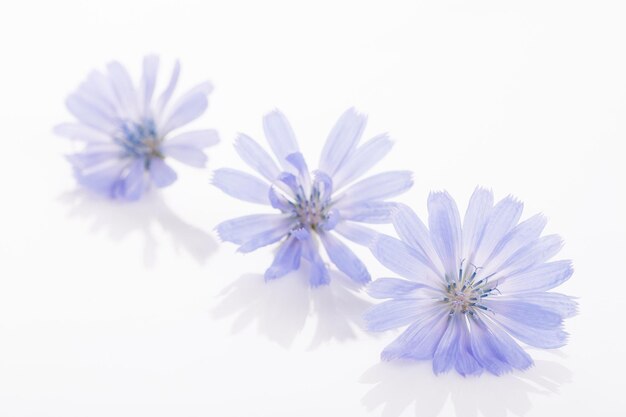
x,y
311,207
128,134
471,288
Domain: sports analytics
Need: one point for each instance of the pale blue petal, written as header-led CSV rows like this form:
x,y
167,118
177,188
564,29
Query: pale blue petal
x,y
280,137
376,187
532,254
133,184
445,355
412,231
563,305
185,112
162,175
540,278
394,313
478,210
445,231
100,176
356,233
287,259
88,114
242,229
345,259
164,98
362,160
256,157
392,288
124,89
297,161
241,185
318,274
263,239
374,212
466,363
342,141
189,155
503,217
148,81
403,260
198,139
495,350
81,132
419,340
519,236
551,338
529,314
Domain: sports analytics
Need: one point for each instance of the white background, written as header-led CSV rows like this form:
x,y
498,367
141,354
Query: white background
x,y
119,310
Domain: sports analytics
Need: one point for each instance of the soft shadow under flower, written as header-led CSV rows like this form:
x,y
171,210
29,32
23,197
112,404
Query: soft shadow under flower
x,y
399,385
119,219
282,308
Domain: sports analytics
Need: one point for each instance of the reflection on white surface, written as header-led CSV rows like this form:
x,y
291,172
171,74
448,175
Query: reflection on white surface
x,y
400,385
121,218
280,308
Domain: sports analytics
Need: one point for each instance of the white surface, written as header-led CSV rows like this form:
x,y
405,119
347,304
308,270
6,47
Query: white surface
x,y
136,310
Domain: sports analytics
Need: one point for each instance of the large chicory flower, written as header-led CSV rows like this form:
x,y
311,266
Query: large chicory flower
x,y
128,134
321,204
469,288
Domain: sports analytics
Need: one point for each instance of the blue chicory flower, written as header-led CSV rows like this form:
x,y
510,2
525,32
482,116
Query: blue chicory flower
x,y
322,204
128,134
471,288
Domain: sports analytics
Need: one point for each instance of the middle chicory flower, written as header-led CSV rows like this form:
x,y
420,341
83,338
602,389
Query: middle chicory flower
x,y
314,205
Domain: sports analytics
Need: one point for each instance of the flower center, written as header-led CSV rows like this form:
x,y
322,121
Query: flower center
x,y
139,139
465,294
311,212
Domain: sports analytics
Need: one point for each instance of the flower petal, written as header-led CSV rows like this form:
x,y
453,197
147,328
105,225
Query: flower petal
x,y
287,259
529,314
403,260
445,231
81,132
495,350
362,159
543,338
148,81
540,278
241,185
501,219
375,212
124,89
189,155
184,112
445,355
532,254
412,231
345,259
376,187
392,288
90,115
519,236
342,141
356,233
318,274
280,137
162,175
256,157
563,305
478,210
132,185
419,340
242,229
198,139
395,313
165,96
